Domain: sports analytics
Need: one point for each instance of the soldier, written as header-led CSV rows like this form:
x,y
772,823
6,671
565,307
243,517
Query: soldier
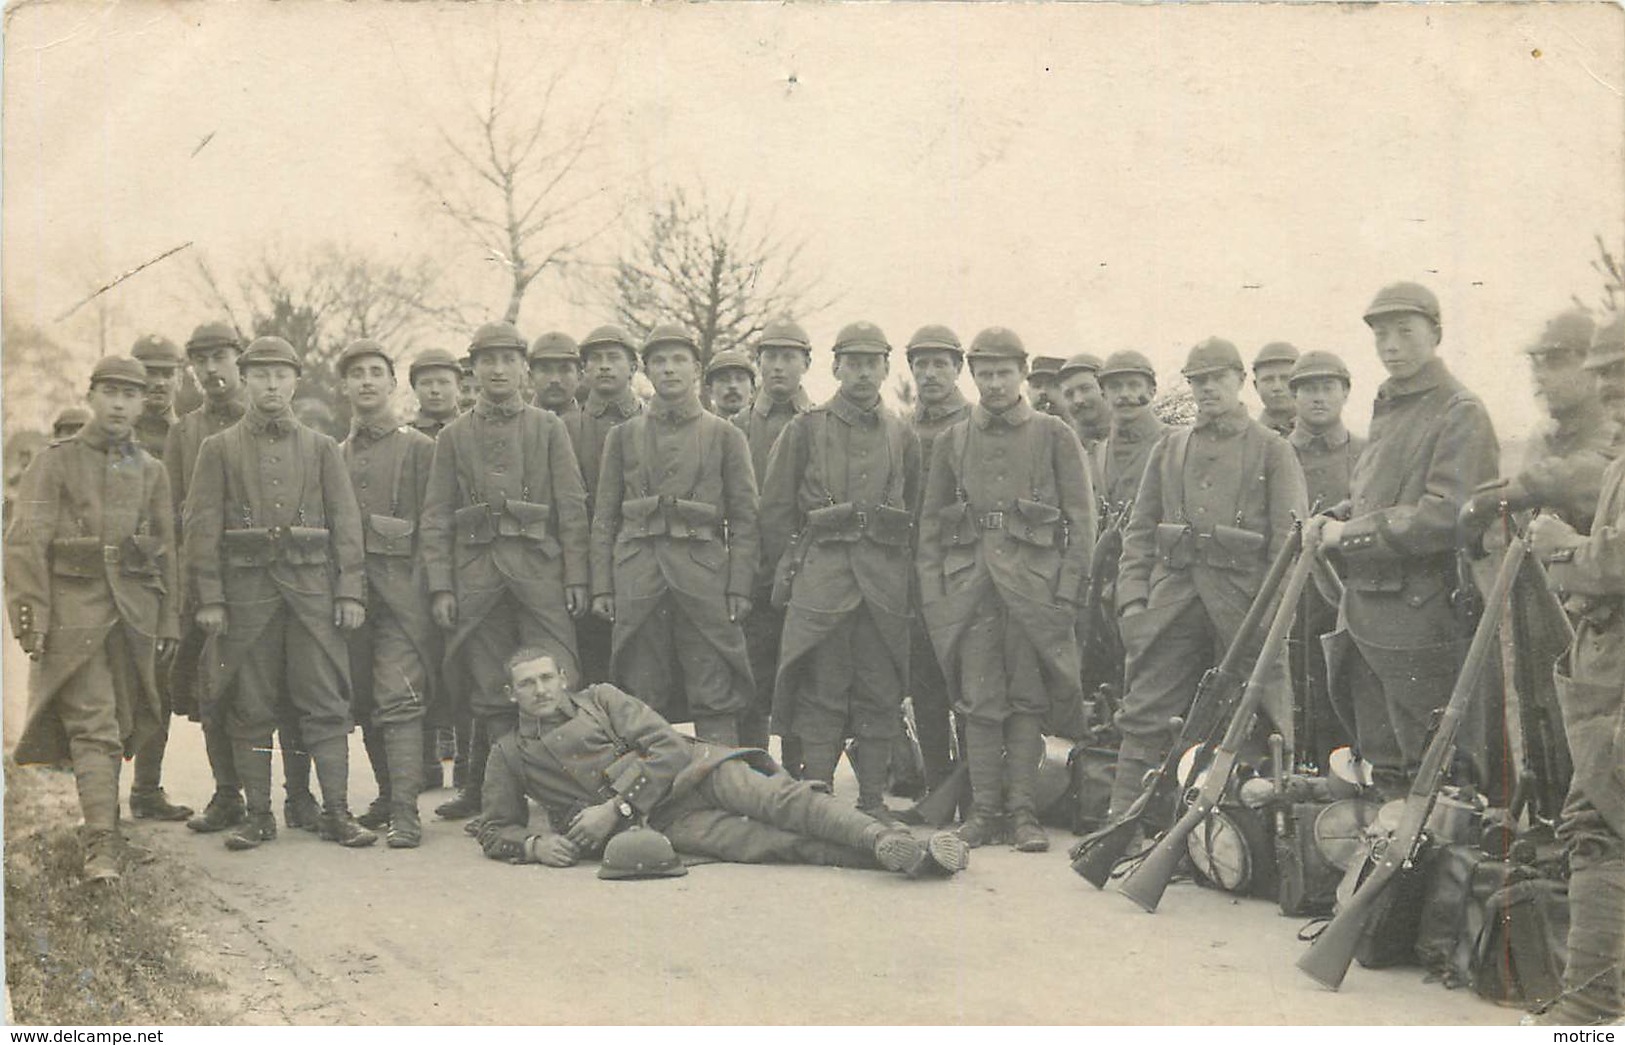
x,y
1272,372
1399,641
393,655
504,542
783,354
935,358
1043,385
161,358
434,377
1006,529
1326,452
597,759
68,421
730,382
1607,360
838,506
555,375
1129,383
468,386
273,544
91,592
1085,403
1214,507
674,548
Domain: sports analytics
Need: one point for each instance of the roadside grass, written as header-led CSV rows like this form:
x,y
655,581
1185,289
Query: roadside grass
x,y
83,954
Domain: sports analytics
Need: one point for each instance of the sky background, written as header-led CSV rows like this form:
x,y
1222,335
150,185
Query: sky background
x,y
1095,177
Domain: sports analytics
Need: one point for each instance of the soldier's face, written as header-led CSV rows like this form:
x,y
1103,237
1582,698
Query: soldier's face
x,y
1406,342
538,688
115,406
160,388
555,381
1274,390
1217,392
673,370
731,389
1128,394
998,382
436,390
782,370
1084,399
1319,401
270,386
935,374
1560,380
499,371
610,370
1041,390
368,384
468,390
860,375
216,371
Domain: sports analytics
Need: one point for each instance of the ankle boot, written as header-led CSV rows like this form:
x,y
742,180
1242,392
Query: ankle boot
x,y
1024,746
984,756
253,761
717,729
1591,984
871,759
332,760
377,814
434,774
225,808
97,784
467,802
401,741
818,761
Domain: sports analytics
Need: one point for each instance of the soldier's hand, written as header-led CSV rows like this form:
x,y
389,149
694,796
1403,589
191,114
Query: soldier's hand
x,y
444,608
212,619
738,607
554,851
592,825
603,607
1133,609
1549,535
576,600
348,614
1329,535
33,644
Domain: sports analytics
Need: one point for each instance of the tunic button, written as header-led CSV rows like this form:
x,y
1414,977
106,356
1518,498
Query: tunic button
x,y
274,459
362,484
276,482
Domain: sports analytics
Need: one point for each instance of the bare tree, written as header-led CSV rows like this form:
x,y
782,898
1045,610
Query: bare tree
x,y
1177,406
1611,267
42,374
716,268
510,180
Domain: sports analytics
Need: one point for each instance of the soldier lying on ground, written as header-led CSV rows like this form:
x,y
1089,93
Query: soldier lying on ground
x,y
599,759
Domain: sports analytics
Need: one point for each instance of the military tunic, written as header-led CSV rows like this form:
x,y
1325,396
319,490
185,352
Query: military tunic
x,y
394,655
1279,423
272,533
91,555
674,532
1121,459
431,426
1399,644
848,479
1006,530
589,427
721,802
1564,468
505,529
152,431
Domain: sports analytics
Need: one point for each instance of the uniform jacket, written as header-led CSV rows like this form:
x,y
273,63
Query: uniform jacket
x,y
1431,444
152,431
182,446
1214,507
932,419
1327,461
1008,511
430,426
1121,458
494,455
611,746
279,477
762,422
1566,462
1280,424
676,514
91,549
589,429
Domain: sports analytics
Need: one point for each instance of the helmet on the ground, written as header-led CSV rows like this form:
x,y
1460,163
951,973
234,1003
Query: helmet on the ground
x,y
640,852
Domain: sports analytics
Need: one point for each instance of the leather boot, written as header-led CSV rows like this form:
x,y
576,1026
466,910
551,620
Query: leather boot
x,y
434,774
147,798
1135,759
462,738
984,755
253,761
377,814
818,761
717,729
403,740
94,779
225,808
332,760
1591,984
299,807
871,759
467,802
1024,747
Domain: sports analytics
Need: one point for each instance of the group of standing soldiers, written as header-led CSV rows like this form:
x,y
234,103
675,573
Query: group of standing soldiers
x,y
773,564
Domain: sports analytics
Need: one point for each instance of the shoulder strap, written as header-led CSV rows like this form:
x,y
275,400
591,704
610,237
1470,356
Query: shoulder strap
x,y
403,447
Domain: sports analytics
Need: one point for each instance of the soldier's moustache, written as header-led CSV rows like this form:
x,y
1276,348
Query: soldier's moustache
x,y
1138,399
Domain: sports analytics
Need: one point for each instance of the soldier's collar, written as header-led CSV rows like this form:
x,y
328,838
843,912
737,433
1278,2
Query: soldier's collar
x,y
1332,438
1429,377
491,410
1019,414
230,408
1228,425
428,423
167,416
685,409
766,405
92,436
953,404
1143,427
372,431
849,411
280,423
1276,422
625,404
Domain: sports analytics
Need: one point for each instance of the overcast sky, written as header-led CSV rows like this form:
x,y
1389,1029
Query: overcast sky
x,y
1095,177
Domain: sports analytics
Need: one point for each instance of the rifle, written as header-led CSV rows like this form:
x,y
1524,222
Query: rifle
x,y
1102,570
1543,778
1146,884
1328,959
1097,854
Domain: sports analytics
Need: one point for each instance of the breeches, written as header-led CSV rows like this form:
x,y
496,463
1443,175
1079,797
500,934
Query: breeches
x,y
852,685
388,676
999,669
287,662
87,704
739,815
